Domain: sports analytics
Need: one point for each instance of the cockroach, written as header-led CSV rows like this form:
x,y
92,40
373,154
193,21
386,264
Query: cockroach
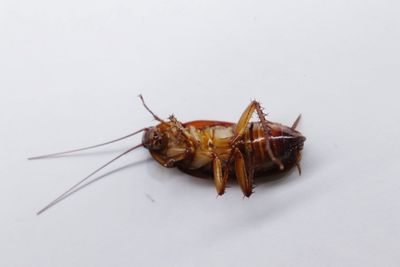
x,y
215,149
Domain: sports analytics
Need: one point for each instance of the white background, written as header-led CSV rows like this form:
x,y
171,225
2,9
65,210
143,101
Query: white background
x,y
70,73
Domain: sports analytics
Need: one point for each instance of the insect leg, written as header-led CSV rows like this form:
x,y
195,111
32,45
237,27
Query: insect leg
x,y
239,132
243,121
245,180
219,179
266,134
242,126
183,130
170,161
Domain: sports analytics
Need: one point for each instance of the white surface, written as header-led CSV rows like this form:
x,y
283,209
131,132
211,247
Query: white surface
x,y
69,76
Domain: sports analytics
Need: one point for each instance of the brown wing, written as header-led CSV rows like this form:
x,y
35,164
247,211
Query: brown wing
x,y
205,123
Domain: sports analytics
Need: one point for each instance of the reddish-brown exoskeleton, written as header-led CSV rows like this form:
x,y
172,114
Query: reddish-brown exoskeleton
x,y
217,149
220,149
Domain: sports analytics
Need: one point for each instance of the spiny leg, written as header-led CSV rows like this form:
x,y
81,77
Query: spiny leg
x,y
242,125
182,129
219,179
264,124
239,132
243,122
244,178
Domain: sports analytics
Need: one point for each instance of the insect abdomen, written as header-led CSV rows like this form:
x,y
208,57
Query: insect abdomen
x,y
255,149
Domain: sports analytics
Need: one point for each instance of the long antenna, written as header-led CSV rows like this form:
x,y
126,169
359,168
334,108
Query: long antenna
x,y
149,110
59,198
85,148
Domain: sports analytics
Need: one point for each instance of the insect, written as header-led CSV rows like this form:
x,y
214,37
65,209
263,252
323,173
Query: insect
x,y
215,149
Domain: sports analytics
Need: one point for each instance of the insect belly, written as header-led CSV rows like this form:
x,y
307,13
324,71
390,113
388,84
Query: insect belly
x,y
211,142
255,149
